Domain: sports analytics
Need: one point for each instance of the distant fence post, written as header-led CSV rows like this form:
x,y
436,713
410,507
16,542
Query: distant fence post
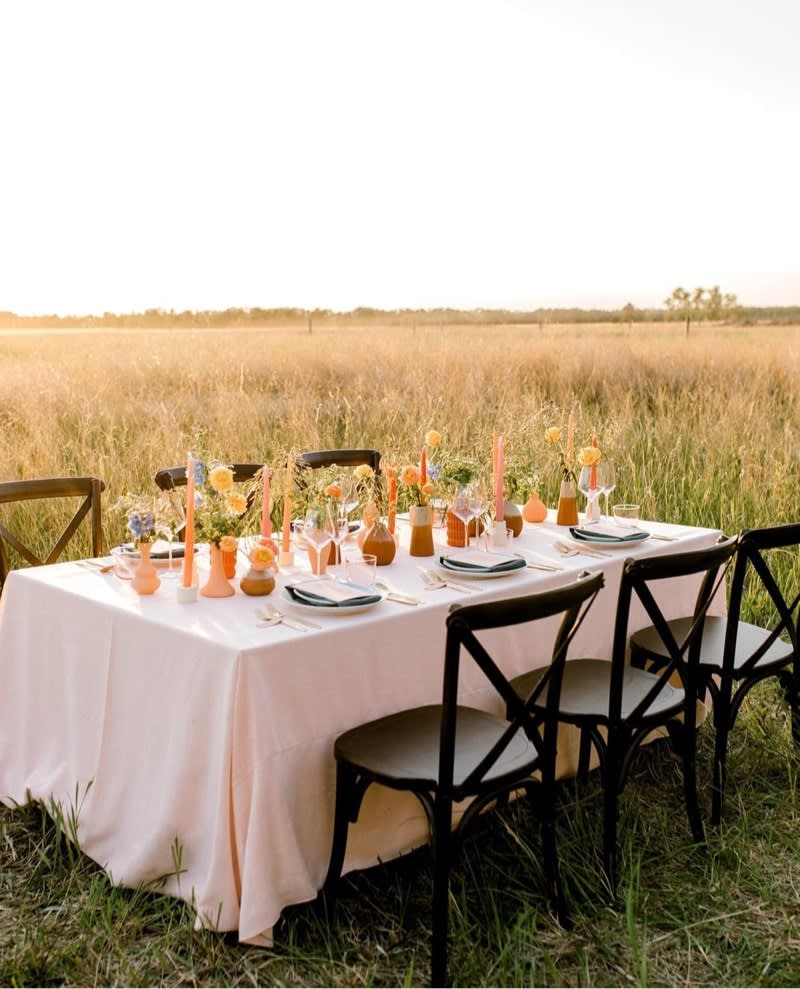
x,y
688,321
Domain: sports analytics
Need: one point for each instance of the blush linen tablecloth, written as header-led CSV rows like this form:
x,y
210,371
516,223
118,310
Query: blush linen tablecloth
x,y
186,735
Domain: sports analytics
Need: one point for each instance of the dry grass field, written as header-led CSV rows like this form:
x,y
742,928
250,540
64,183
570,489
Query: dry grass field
x,y
703,430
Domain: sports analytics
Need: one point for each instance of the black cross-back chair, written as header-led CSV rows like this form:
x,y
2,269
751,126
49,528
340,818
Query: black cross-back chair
x,y
445,753
340,458
616,706
169,478
736,655
87,489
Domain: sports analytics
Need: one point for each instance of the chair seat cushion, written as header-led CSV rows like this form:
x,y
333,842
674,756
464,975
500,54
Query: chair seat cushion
x,y
404,747
586,686
748,639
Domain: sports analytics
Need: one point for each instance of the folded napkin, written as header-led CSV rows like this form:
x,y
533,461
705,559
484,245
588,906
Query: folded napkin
x,y
477,561
159,550
332,594
602,532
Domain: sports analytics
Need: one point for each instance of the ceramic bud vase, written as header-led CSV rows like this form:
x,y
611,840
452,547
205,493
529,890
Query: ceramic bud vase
x,y
567,504
145,578
217,585
228,545
258,581
421,518
534,509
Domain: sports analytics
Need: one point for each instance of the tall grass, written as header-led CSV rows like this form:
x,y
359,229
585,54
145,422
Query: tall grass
x,y
704,431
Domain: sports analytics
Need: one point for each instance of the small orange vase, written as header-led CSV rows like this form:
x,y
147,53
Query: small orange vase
x,y
534,509
145,578
229,562
217,585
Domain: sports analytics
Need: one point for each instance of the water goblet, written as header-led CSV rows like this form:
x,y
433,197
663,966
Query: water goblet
x,y
607,479
170,519
590,487
318,532
466,506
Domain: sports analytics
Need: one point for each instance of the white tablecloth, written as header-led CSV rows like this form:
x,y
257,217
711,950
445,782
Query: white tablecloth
x,y
184,734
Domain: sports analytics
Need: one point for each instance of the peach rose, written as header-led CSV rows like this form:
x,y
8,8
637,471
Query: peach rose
x,y
590,455
228,544
363,471
432,438
334,491
410,475
220,478
553,434
236,503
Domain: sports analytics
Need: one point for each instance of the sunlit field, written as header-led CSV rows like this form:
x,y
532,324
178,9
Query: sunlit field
x,y
704,429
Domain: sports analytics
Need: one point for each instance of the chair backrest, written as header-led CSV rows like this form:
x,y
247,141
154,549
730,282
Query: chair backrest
x,y
86,489
340,458
463,621
638,578
169,478
759,569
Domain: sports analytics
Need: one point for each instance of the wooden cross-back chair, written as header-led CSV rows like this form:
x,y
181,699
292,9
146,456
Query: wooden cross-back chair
x,y
86,489
446,753
340,458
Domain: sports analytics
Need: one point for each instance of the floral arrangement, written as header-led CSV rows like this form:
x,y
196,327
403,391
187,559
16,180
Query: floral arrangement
x,y
570,460
419,481
220,509
141,517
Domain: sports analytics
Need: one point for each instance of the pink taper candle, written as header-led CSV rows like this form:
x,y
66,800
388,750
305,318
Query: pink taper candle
x,y
188,534
499,491
287,506
266,522
392,502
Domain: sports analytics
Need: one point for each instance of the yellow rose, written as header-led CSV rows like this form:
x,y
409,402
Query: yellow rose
x,y
363,471
432,438
236,503
220,478
410,475
228,544
590,455
333,491
553,434
261,555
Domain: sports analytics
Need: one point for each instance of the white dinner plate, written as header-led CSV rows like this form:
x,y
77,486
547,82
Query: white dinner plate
x,y
456,573
611,543
342,609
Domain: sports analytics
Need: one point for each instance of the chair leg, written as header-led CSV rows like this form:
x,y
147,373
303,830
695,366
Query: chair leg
x,y
441,849
552,874
611,787
345,789
722,716
584,755
690,786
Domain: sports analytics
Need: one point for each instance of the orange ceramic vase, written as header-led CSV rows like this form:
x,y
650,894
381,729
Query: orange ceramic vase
x,y
217,585
257,582
145,578
534,509
421,518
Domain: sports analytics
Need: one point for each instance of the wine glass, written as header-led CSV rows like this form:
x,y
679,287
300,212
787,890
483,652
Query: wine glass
x,y
170,520
318,531
349,497
590,486
466,506
607,479
340,530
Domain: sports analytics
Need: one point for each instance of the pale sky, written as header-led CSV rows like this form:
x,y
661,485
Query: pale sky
x,y
331,154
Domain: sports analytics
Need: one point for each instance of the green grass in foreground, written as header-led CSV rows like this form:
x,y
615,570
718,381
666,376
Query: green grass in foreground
x,y
685,917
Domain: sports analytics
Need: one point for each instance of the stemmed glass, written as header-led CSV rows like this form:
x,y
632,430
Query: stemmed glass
x,y
318,530
591,493
466,506
171,519
607,479
340,530
349,497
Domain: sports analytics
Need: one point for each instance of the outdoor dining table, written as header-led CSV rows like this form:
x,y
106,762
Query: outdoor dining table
x,y
193,746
